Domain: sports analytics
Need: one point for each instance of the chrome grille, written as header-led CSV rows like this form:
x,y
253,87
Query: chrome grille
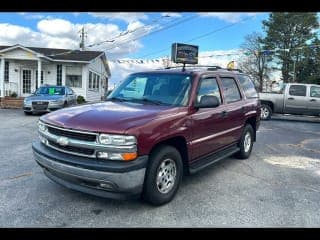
x,y
73,149
72,134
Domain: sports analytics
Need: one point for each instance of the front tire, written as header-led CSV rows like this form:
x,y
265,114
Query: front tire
x,y
163,175
246,142
27,113
266,112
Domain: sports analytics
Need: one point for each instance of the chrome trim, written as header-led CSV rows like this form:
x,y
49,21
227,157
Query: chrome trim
x,y
73,153
83,144
69,130
215,135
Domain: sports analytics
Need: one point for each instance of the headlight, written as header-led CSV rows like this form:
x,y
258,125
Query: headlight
x,y
27,101
109,139
42,127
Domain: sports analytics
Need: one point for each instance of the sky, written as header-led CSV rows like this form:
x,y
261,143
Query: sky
x,y
135,41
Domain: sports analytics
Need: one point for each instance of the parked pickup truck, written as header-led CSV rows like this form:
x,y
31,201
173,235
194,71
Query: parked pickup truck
x,y
294,98
153,128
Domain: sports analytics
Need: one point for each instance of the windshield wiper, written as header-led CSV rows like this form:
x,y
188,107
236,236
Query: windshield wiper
x,y
117,99
156,102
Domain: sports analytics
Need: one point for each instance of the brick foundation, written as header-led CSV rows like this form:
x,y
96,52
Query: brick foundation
x,y
10,102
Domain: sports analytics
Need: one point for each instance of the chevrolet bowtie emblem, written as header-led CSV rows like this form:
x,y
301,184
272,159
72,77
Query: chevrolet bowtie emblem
x,y
63,141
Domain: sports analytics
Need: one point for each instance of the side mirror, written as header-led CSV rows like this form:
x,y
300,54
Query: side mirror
x,y
208,101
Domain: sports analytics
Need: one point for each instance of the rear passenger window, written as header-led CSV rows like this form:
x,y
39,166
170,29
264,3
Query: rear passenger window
x,y
297,90
247,86
209,86
230,89
315,91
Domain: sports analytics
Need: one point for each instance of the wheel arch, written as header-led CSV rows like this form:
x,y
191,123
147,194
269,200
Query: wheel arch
x,y
180,143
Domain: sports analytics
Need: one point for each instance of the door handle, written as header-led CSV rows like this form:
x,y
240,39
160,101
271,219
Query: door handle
x,y
224,113
313,100
290,98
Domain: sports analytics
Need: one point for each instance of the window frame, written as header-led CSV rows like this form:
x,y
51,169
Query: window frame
x,y
206,76
6,71
59,75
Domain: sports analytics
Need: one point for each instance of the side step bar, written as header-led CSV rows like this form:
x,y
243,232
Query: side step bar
x,y
212,158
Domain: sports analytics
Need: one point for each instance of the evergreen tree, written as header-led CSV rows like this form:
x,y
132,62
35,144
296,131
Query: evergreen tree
x,y
289,33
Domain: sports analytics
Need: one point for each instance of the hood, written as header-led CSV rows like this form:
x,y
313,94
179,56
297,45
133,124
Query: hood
x,y
107,117
44,97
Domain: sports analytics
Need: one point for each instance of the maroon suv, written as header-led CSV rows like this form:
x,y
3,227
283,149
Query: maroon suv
x,y
153,128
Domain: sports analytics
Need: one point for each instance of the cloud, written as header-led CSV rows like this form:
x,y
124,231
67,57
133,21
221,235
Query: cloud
x,y
124,16
60,33
55,27
227,17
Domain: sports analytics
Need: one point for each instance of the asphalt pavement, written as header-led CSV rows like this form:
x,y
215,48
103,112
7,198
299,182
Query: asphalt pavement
x,y
278,186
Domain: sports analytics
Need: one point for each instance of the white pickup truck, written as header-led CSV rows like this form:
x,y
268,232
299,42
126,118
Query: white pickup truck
x,y
294,98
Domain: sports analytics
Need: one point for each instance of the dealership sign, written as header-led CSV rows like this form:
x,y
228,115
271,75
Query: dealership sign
x,y
184,53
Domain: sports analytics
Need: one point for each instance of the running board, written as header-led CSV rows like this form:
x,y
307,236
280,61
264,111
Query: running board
x,y
212,158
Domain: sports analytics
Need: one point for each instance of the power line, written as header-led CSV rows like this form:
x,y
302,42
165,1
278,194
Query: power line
x,y
201,36
152,32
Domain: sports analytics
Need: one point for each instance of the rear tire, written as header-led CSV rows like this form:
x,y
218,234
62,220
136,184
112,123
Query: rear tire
x,y
163,175
246,142
266,112
28,113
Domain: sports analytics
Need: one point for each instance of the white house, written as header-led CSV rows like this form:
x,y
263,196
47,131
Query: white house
x,y
86,72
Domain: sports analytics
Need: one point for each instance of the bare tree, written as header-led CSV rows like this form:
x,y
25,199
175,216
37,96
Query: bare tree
x,y
256,61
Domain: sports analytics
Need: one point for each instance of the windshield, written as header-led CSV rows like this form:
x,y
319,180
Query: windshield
x,y
50,91
155,88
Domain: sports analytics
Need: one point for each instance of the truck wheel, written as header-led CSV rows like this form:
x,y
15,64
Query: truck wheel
x,y
266,112
163,175
246,142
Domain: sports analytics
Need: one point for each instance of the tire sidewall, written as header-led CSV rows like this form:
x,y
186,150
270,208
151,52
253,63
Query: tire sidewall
x,y
242,153
269,110
151,192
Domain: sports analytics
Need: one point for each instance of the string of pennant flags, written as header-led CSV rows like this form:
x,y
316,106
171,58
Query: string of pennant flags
x,y
265,52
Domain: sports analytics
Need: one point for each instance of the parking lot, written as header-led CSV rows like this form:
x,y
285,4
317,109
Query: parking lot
x,y
278,186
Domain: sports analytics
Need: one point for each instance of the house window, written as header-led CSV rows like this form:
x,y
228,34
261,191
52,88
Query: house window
x,y
74,81
6,71
94,81
59,75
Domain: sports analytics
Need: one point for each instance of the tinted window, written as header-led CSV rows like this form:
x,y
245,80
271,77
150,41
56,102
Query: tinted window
x,y
315,91
297,90
230,89
209,86
247,86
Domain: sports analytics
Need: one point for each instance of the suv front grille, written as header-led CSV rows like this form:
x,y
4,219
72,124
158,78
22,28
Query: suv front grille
x,y
72,149
71,134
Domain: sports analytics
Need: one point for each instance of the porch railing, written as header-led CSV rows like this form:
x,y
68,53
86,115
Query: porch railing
x,y
10,87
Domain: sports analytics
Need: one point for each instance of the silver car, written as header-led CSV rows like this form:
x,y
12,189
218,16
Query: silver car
x,y
49,98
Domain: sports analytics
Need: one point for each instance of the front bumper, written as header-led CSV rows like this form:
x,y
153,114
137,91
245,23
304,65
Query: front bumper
x,y
51,107
110,179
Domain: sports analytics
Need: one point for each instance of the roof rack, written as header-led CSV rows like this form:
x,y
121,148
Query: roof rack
x,y
208,68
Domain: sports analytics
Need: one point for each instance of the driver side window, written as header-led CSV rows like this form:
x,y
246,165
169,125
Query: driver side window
x,y
209,86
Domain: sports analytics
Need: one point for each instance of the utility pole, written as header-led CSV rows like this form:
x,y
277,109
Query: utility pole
x,y
82,36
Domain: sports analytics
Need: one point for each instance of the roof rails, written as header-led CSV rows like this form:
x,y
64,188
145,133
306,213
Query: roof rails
x,y
208,68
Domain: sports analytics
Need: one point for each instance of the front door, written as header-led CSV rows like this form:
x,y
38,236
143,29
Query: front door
x,y
26,82
209,124
296,100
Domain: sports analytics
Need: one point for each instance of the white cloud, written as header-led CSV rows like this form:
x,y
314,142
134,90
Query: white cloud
x,y
124,16
55,27
227,16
